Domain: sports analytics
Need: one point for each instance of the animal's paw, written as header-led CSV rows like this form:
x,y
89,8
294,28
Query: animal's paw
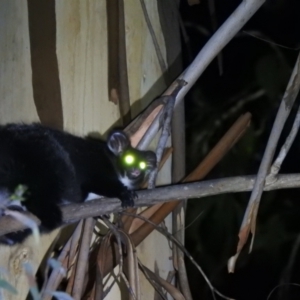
x,y
127,197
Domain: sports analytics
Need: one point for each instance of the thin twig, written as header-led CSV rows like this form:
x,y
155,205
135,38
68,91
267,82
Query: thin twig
x,y
166,121
113,230
249,221
101,256
71,263
172,290
183,249
162,64
82,260
132,264
286,147
156,123
152,281
74,243
52,282
121,274
167,114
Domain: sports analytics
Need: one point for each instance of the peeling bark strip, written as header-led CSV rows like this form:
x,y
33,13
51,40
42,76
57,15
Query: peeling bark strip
x,y
45,74
118,88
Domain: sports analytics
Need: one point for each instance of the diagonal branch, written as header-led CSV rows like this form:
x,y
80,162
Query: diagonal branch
x,y
249,221
211,49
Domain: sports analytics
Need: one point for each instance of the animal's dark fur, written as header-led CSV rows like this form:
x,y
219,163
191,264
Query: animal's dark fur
x,y
58,167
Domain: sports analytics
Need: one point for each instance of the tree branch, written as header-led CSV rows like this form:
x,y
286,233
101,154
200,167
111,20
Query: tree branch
x,y
75,212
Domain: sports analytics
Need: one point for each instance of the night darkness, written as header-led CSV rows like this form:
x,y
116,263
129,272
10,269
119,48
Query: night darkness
x,y
255,75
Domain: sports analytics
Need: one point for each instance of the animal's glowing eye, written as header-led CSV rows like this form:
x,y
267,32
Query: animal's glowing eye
x,y
129,159
142,165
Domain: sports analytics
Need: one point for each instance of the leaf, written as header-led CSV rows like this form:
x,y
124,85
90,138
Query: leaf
x,y
19,192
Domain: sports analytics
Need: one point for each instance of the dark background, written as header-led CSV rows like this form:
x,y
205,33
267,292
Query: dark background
x,y
254,78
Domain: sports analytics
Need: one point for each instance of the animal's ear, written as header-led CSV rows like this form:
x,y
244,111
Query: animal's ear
x,y
150,157
118,142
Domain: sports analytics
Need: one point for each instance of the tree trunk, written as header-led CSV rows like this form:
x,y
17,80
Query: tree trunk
x,y
54,69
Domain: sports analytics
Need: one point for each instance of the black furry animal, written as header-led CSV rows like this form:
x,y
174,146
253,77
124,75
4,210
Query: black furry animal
x,y
57,167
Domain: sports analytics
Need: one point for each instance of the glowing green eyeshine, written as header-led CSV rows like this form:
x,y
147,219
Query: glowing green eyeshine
x,y
142,165
129,159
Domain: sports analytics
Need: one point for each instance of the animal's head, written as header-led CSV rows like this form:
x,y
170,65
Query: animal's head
x,y
132,165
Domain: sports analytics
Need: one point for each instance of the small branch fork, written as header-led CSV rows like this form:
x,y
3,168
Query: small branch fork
x,y
166,118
